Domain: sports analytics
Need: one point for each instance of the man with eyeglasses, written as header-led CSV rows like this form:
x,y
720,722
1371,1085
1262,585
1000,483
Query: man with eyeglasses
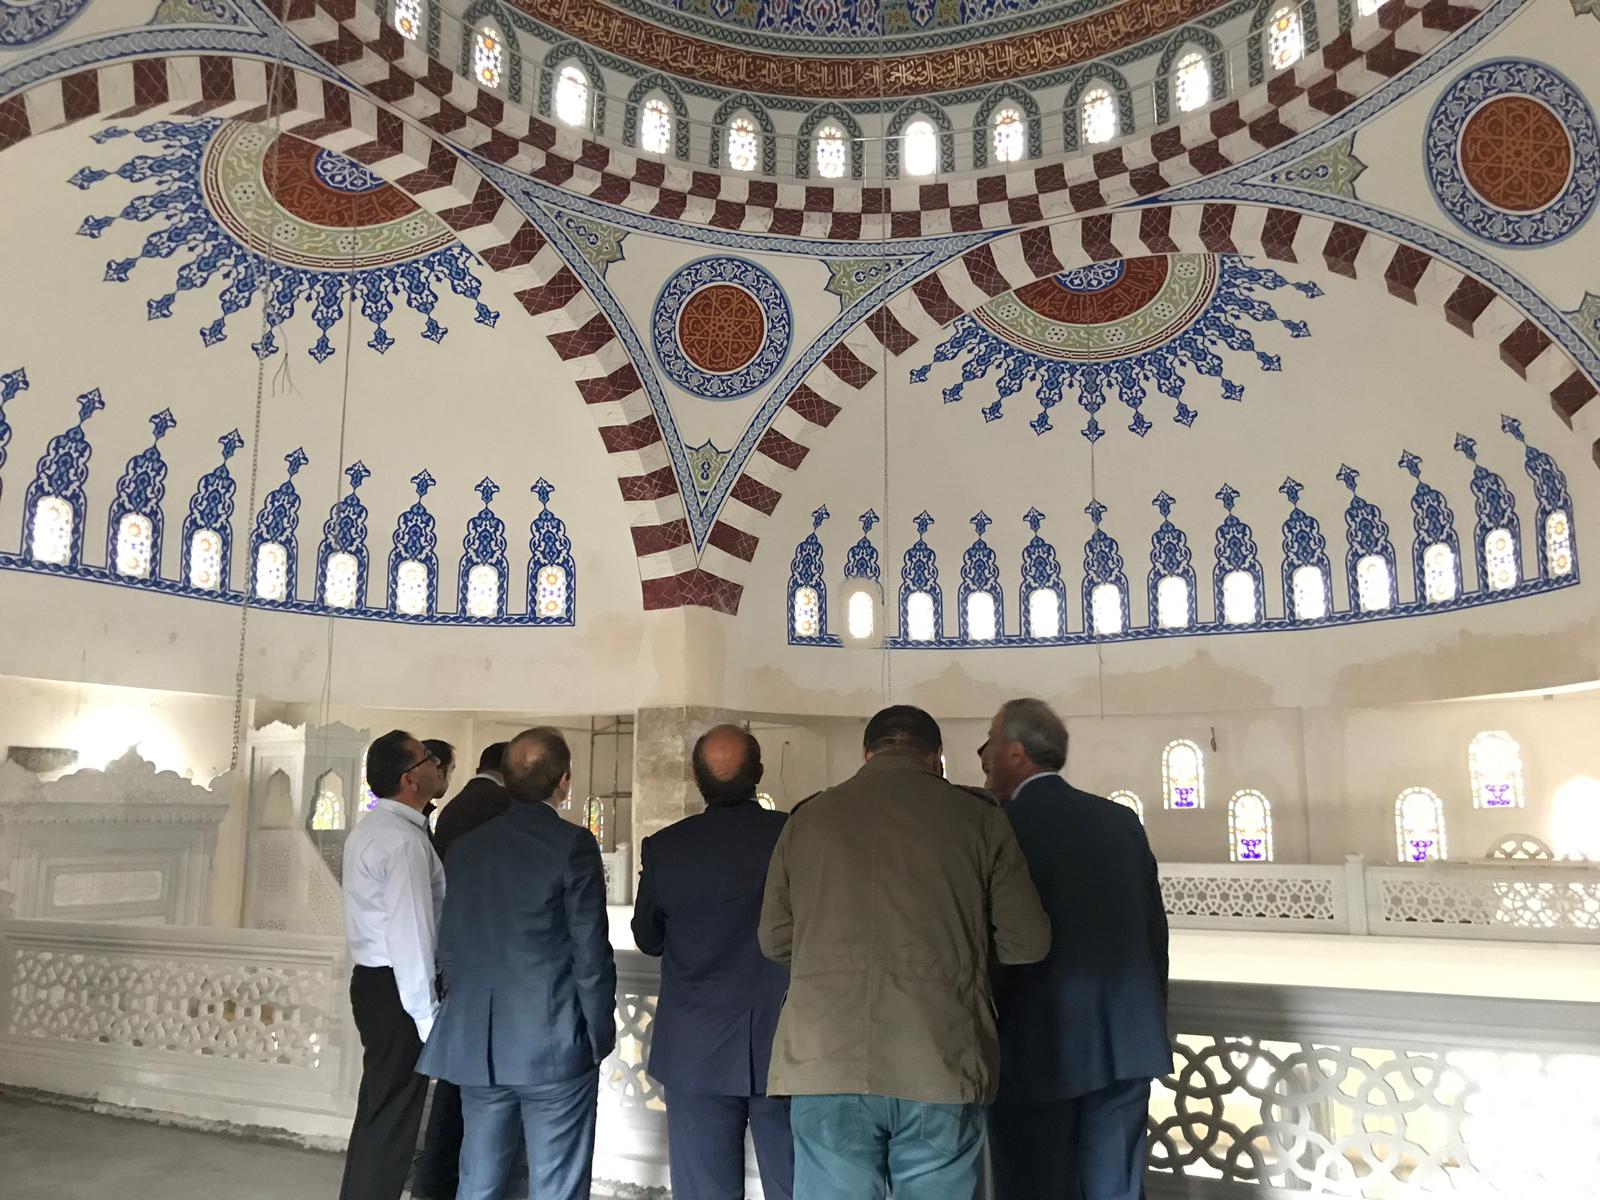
x,y
393,891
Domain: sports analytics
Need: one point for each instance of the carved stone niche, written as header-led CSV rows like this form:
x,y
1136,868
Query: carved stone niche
x,y
128,844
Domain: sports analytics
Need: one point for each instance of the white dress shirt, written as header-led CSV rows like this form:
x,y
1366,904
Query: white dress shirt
x,y
1036,775
393,891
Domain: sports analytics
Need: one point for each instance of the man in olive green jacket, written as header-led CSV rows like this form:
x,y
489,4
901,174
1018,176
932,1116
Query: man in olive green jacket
x,y
888,897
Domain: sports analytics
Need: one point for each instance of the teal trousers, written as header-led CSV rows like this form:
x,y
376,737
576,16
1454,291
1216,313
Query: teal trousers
x,y
854,1147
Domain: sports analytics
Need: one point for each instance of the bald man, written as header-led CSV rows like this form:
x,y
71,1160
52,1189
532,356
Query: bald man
x,y
530,986
698,906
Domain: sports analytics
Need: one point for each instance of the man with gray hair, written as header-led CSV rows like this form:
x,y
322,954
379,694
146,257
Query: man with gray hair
x,y
1083,1032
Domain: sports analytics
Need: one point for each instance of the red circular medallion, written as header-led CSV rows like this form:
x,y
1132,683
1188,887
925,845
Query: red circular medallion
x,y
721,328
1142,279
1516,154
289,170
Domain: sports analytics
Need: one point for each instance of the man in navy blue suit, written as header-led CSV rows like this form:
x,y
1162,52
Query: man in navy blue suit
x,y
1083,1032
530,985
698,906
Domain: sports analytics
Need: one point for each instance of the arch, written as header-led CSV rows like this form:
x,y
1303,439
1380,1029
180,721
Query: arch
x,y
495,15
1256,52
757,112
1494,767
330,807
1128,801
560,55
903,116
1190,37
803,158
1183,775
277,807
1419,826
1081,81
1519,847
1249,827
657,85
983,135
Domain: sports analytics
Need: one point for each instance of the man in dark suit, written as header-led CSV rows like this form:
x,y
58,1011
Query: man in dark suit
x,y
529,1010
482,798
698,906
1083,1032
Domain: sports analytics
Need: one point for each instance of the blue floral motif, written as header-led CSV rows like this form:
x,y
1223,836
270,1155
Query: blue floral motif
x,y
549,546
1303,546
62,471
345,531
24,22
1169,555
11,384
1432,522
806,571
211,507
919,572
1562,215
1495,506
980,572
345,174
692,279
1236,551
1102,564
1041,570
1096,277
1366,533
416,539
862,560
1549,491
484,546
141,490
279,521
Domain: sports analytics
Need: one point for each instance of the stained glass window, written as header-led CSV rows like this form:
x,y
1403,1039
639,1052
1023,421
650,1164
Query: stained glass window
x,y
655,126
1099,116
980,617
1010,133
1419,826
369,800
1044,613
1494,762
1558,544
1367,7
1105,606
1172,602
339,586
744,144
205,560
1372,583
832,152
133,545
1239,598
1575,819
408,18
1285,40
1183,776
807,612
859,615
483,591
411,588
1250,827
1500,559
1439,573
572,96
919,617
1310,594
52,531
551,600
327,813
488,57
1192,82
1130,802
766,801
920,148
272,571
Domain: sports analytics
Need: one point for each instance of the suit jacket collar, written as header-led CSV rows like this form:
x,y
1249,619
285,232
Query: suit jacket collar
x,y
737,806
1042,784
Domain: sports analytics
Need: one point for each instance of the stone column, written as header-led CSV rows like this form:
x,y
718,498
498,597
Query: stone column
x,y
663,783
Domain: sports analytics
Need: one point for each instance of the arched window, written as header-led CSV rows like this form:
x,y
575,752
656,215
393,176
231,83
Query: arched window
x,y
920,148
1500,559
1558,544
1239,598
1099,116
572,96
1105,609
1191,82
1575,819
1010,134
488,56
408,18
1130,802
1250,827
1439,573
980,617
1310,594
134,532
655,126
272,571
1183,780
1419,826
411,588
1494,763
1044,613
807,612
860,617
205,560
1172,602
1286,39
919,617
328,809
550,599
1373,583
343,575
744,144
52,531
833,152
483,591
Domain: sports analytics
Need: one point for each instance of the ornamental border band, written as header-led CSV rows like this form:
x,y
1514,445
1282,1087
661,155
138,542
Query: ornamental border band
x,y
903,986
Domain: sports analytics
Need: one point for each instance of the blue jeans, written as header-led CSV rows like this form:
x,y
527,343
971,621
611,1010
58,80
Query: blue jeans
x,y
558,1121
852,1147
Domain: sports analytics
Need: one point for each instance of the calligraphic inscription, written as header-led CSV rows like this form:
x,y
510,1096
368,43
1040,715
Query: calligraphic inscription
x,y
1092,36
1516,154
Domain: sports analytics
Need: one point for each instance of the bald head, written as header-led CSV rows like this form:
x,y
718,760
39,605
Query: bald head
x,y
537,764
727,764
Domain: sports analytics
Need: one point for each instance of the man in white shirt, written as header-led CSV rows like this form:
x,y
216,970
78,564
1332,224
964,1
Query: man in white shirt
x,y
393,891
